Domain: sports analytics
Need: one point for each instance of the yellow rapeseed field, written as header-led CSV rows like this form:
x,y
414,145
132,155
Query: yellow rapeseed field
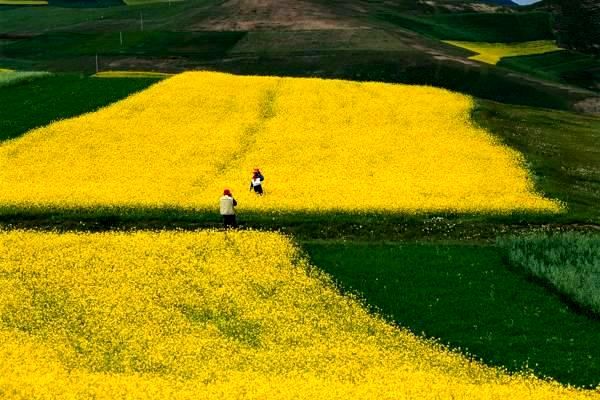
x,y
492,53
210,315
323,145
131,74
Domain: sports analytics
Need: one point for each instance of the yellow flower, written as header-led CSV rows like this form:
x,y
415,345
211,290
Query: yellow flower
x,y
492,53
323,145
204,315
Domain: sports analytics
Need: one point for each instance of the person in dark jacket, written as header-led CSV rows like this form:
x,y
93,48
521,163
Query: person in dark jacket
x,y
227,207
256,182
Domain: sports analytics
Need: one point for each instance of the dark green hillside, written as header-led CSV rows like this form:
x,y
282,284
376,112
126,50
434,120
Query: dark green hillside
x,y
478,27
568,67
61,45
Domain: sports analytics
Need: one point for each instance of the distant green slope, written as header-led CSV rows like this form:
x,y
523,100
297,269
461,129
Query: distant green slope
x,y
57,45
478,27
564,66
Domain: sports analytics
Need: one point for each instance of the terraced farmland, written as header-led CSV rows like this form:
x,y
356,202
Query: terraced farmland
x,y
429,225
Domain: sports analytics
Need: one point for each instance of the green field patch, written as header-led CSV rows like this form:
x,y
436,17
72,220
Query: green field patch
x,y
203,45
492,53
468,298
561,149
478,27
23,2
131,74
568,262
41,101
9,78
565,66
140,2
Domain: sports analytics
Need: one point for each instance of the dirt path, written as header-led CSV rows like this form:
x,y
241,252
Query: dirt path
x,y
248,15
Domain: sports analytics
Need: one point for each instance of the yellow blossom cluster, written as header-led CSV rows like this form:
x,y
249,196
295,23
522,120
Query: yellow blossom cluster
x,y
492,53
323,146
131,74
205,315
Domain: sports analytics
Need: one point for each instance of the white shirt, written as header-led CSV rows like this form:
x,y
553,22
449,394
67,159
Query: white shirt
x,y
226,203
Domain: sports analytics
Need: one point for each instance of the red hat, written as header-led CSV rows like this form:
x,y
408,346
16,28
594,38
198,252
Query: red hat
x,y
256,170
227,192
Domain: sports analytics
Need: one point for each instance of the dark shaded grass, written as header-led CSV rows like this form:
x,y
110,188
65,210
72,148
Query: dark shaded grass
x,y
477,27
39,102
303,225
562,151
100,18
562,66
413,68
204,45
465,296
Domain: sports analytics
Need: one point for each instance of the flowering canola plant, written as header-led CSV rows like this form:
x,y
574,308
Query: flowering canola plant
x,y
131,74
204,315
492,53
323,145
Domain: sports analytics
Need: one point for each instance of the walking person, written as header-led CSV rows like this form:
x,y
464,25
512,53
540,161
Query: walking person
x,y
256,182
227,206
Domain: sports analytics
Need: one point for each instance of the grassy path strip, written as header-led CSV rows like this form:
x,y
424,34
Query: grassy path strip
x,y
468,298
305,226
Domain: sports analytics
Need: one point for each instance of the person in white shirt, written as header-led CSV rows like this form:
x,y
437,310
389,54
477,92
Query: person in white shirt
x,y
227,208
256,182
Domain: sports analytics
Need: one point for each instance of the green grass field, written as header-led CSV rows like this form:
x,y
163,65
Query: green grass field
x,y
38,102
203,45
468,298
568,262
561,150
477,27
438,274
565,66
8,78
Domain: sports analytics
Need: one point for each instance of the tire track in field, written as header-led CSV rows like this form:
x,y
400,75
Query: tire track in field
x,y
266,112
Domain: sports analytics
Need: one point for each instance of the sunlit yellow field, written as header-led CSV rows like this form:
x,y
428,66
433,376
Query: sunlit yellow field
x,y
201,315
492,53
323,145
24,2
131,74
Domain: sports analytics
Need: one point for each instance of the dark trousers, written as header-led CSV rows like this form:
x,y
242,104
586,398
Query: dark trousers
x,y
258,189
229,221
